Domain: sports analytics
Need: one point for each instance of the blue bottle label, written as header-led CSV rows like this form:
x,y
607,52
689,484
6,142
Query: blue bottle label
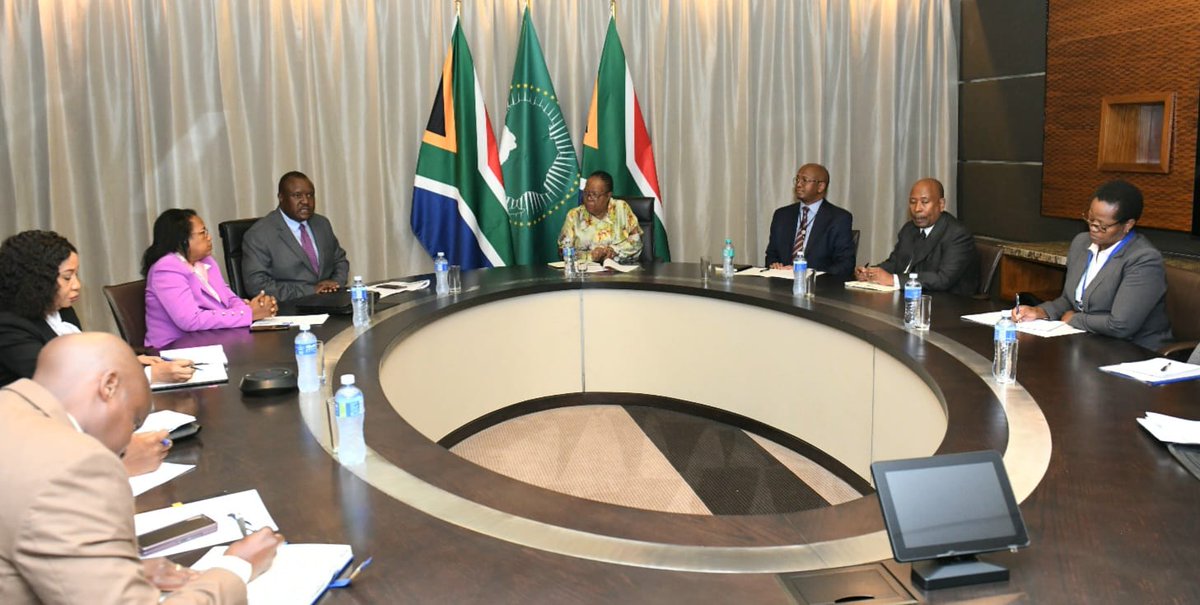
x,y
306,348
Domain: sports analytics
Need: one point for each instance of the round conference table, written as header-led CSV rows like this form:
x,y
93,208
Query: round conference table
x,y
1112,517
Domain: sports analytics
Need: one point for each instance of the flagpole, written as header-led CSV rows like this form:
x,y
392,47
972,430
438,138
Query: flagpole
x,y
612,8
458,8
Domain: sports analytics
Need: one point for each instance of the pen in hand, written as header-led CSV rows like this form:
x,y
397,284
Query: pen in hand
x,y
241,524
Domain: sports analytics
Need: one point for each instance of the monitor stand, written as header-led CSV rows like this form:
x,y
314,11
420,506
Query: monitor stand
x,y
956,571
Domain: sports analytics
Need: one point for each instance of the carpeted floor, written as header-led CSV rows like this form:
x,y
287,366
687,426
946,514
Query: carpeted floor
x,y
654,459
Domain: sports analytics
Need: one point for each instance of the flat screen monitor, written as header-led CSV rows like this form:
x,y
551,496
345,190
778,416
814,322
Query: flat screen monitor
x,y
948,508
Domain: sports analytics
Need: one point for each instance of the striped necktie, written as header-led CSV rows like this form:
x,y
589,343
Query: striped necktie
x,y
802,232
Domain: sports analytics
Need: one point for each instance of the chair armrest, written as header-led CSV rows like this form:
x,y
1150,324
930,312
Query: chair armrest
x,y
1178,351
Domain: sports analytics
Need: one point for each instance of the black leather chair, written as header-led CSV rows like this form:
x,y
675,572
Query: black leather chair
x,y
1183,296
231,240
855,233
643,209
128,304
989,260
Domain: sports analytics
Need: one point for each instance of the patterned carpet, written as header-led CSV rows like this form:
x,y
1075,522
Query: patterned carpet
x,y
654,459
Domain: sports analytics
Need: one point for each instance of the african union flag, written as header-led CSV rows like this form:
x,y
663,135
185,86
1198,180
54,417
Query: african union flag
x,y
541,174
616,140
458,195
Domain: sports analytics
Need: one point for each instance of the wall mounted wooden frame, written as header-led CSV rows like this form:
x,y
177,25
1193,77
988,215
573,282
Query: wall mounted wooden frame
x,y
1135,132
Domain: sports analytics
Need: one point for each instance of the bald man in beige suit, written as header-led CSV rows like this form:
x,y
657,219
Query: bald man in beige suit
x,y
66,512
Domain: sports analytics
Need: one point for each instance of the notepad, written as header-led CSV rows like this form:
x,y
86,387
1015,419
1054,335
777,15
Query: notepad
x,y
210,367
292,320
592,267
387,289
870,286
1046,328
615,266
1159,370
247,504
780,273
300,573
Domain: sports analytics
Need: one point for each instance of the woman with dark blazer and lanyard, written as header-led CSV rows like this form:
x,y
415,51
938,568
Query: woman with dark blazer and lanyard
x,y
1116,284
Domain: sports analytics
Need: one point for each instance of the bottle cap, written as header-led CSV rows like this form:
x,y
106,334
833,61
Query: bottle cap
x,y
357,278
304,327
441,254
347,379
912,275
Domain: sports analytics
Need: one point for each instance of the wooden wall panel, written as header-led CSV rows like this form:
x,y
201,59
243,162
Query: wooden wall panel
x,y
1095,49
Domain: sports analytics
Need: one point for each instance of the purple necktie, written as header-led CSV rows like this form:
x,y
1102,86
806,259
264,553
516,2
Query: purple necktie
x,y
306,243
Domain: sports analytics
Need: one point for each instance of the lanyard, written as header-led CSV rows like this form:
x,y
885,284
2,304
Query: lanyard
x,y
1115,250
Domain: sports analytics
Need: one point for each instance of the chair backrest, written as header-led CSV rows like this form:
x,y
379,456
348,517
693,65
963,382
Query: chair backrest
x,y
643,209
855,233
231,240
989,260
1183,298
128,304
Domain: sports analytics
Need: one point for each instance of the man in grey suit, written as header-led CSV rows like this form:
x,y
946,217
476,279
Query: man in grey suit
x,y
934,245
292,252
66,512
1116,284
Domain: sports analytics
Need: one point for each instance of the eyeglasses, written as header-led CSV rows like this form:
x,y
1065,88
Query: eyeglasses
x,y
202,233
300,195
805,180
1095,226
593,195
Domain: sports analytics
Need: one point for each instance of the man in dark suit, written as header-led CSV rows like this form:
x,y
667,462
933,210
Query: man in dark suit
x,y
1116,283
933,244
66,514
293,252
812,224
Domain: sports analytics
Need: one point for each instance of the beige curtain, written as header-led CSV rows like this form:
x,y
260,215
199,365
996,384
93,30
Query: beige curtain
x,y
114,110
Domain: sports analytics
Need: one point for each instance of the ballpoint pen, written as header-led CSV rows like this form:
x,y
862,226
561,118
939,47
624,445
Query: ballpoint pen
x,y
344,582
241,524
1164,368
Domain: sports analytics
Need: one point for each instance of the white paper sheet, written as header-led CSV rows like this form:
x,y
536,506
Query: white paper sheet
x,y
387,289
615,266
205,354
1170,429
247,504
292,320
164,420
870,286
1046,328
167,471
780,273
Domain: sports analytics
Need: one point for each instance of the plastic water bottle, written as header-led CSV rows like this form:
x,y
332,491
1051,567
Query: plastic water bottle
x,y
358,301
307,379
349,411
1004,361
912,301
799,274
568,260
441,273
727,260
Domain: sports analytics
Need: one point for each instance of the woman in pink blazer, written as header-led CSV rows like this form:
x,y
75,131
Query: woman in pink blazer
x,y
184,288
